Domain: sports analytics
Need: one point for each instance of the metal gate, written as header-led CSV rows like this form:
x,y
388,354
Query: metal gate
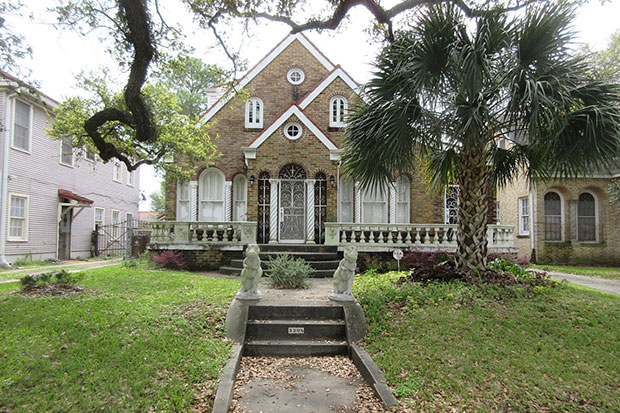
x,y
114,240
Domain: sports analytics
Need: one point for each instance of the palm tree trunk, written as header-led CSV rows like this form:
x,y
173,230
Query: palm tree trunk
x,y
474,184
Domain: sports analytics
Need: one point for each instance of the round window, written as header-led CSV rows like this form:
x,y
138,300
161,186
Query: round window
x,y
295,76
292,130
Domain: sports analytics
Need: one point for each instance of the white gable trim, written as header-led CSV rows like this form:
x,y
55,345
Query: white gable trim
x,y
263,63
293,110
328,80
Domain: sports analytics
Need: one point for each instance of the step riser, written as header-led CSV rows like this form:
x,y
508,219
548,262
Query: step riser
x,y
306,256
315,274
292,248
298,350
334,332
295,313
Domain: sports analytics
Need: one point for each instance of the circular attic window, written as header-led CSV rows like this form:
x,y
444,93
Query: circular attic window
x,y
292,130
296,76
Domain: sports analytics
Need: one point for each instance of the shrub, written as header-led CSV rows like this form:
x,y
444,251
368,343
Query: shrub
x,y
170,259
425,259
130,263
523,261
62,277
288,272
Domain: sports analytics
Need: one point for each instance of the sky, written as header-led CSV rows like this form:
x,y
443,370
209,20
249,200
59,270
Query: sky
x,y
58,55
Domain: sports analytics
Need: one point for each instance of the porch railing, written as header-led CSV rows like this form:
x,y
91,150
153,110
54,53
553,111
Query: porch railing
x,y
220,233
409,235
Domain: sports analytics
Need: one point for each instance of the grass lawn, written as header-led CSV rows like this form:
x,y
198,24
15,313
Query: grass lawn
x,y
603,272
21,268
453,346
144,340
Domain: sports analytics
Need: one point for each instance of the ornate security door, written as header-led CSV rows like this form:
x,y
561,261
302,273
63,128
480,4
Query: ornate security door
x,y
292,204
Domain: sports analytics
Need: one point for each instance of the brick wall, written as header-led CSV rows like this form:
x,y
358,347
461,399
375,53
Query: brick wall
x,y
205,260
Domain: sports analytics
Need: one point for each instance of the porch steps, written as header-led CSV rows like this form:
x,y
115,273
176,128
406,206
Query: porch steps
x,y
295,331
323,259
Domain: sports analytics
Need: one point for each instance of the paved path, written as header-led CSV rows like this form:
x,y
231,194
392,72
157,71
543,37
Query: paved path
x,y
603,284
69,266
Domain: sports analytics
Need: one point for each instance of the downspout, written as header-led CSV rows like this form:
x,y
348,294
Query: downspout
x,y
4,177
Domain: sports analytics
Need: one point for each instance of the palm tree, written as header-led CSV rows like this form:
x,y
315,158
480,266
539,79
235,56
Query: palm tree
x,y
450,87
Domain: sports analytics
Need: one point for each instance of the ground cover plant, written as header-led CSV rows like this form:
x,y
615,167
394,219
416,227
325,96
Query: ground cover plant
x,y
478,347
286,271
603,272
145,340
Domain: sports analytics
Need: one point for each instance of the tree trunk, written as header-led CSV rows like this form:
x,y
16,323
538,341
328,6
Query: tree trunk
x,y
474,182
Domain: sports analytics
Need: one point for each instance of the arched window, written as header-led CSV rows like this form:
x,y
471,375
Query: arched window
x,y
346,200
374,206
211,195
403,194
183,203
240,196
337,111
553,216
254,113
587,217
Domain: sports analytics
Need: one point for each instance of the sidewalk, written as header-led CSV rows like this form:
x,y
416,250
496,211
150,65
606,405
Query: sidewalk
x,y
69,266
603,284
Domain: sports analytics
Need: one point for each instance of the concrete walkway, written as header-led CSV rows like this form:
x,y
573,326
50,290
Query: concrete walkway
x,y
69,266
603,284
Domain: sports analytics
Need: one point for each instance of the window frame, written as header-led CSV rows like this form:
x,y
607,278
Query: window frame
x,y
60,161
127,217
562,217
290,73
596,217
95,216
131,178
251,105
30,123
341,201
407,202
340,121
235,201
25,218
180,200
94,157
288,136
117,164
116,228
201,191
521,215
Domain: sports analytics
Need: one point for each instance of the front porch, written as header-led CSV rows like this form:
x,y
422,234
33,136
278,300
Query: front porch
x,y
233,236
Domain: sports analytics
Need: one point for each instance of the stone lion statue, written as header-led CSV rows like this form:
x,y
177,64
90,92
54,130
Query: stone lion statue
x,y
343,277
251,274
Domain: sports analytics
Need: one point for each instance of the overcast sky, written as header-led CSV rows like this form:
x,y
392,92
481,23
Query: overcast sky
x,y
58,55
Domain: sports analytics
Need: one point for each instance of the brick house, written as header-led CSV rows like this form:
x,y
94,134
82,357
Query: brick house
x,y
51,198
279,178
567,221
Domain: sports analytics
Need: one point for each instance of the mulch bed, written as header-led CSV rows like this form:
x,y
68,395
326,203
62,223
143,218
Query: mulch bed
x,y
53,290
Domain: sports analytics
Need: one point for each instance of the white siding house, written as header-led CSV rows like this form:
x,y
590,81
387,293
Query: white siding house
x,y
53,198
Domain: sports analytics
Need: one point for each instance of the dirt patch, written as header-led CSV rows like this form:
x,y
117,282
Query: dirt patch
x,y
53,290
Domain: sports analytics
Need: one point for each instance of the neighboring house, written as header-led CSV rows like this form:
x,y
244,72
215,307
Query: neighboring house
x,y
567,221
279,178
53,197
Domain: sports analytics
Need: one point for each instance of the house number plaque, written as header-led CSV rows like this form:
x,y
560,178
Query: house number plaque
x,y
295,330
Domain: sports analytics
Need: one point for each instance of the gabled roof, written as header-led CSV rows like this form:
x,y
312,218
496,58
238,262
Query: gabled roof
x,y
293,110
338,72
11,82
275,52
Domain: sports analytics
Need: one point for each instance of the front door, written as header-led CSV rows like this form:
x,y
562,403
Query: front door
x,y
64,233
292,211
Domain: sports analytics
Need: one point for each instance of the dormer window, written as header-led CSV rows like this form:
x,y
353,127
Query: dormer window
x,y
337,110
295,76
254,113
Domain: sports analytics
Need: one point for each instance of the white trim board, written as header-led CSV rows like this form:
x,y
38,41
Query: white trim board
x,y
328,80
293,110
263,63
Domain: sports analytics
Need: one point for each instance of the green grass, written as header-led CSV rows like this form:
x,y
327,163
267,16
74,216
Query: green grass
x,y
454,346
603,272
29,267
146,339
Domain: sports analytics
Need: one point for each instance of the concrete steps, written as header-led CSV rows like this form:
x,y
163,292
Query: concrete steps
x,y
323,259
295,331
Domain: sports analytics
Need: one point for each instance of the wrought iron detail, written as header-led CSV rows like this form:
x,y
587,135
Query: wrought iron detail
x,y
264,202
292,171
320,207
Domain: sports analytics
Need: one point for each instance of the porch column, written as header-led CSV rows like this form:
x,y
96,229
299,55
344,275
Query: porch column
x,y
392,203
358,203
228,201
193,201
274,211
310,211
